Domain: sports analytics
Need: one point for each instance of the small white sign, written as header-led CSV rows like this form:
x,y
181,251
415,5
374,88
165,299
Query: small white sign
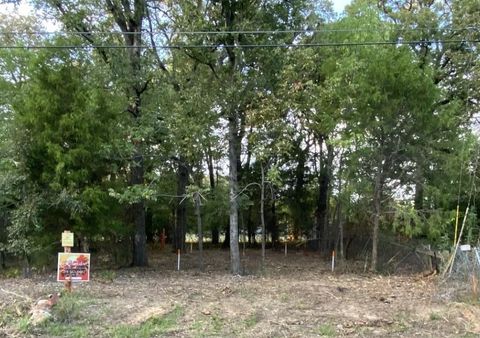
x,y
465,247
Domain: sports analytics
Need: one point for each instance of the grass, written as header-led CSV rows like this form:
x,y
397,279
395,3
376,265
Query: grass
x,y
252,320
70,307
217,323
469,335
400,323
54,329
23,325
152,327
107,276
7,315
68,319
197,327
284,298
326,330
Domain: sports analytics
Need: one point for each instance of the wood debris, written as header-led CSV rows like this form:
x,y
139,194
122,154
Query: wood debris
x,y
42,310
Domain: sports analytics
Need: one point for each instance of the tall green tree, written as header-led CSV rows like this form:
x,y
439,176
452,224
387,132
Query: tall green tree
x,y
129,71
387,94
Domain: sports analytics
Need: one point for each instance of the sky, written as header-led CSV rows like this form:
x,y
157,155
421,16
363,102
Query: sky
x,y
339,5
24,9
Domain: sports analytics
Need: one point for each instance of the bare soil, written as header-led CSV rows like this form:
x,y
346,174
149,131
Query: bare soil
x,y
292,296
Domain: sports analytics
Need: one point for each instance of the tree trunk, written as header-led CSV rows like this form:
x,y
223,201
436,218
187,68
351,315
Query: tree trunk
x,y
233,185
328,241
418,200
341,251
215,236
2,259
130,24
250,227
211,173
377,200
149,225
200,231
321,213
274,225
211,176
298,201
138,212
226,240
262,215
181,212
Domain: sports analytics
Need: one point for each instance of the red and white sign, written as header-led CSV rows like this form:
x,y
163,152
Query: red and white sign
x,y
73,266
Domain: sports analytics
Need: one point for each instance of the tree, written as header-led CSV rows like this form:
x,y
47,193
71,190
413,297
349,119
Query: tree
x,y
66,127
386,95
235,69
129,18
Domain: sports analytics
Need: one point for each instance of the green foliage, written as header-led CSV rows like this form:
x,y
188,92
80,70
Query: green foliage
x,y
11,273
67,330
216,207
399,113
65,136
252,320
326,330
154,326
26,223
69,307
23,325
407,221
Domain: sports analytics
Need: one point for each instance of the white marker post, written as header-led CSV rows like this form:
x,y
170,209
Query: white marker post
x,y
286,248
178,260
333,260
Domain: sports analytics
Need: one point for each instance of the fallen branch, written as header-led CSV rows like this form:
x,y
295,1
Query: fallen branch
x,y
17,295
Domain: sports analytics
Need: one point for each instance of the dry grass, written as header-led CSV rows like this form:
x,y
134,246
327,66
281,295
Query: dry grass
x,y
294,296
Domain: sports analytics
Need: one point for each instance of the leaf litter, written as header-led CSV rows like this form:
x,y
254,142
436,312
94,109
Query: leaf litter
x,y
293,296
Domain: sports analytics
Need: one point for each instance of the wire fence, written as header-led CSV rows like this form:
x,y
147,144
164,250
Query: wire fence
x,y
461,279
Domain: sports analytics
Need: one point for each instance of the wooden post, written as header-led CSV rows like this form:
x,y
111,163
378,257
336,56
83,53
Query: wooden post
x,y
67,243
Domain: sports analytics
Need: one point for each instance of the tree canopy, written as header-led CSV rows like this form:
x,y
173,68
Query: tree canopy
x,y
290,120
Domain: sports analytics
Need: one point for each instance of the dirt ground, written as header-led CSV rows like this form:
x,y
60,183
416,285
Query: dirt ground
x,y
293,296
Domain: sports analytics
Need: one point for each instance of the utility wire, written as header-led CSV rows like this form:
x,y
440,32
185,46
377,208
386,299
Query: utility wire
x,y
251,46
256,32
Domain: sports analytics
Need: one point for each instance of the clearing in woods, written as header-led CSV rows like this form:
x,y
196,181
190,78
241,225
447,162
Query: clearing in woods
x,y
294,296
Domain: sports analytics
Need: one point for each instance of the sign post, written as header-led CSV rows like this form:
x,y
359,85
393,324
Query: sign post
x,y
67,243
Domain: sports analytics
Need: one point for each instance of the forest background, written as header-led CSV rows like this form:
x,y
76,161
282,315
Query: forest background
x,y
237,120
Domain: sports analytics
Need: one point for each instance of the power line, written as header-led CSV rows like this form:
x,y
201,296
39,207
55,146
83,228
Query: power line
x,y
258,32
250,46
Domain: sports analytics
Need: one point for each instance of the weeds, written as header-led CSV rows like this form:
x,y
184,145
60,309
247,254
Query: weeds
x,y
107,276
217,323
11,273
252,320
326,330
67,330
154,326
69,308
